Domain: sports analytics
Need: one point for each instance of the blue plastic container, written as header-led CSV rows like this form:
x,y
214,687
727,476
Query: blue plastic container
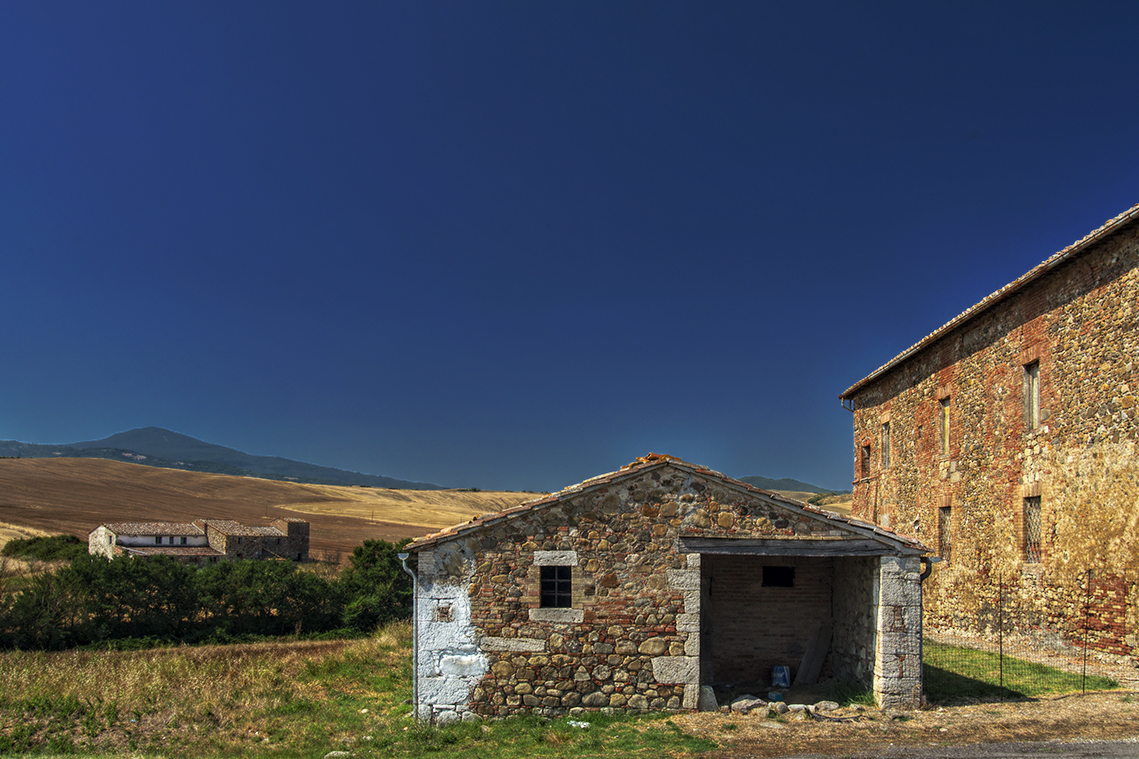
x,y
781,677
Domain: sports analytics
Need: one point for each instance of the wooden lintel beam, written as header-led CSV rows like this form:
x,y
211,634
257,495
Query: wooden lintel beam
x,y
784,547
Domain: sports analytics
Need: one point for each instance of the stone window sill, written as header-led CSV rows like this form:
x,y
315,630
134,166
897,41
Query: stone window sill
x,y
566,616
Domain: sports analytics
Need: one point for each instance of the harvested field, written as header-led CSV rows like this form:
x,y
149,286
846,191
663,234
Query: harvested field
x,y
73,496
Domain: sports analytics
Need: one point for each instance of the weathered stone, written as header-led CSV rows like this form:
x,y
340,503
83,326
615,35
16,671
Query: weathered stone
x,y
594,700
638,702
653,647
707,699
746,703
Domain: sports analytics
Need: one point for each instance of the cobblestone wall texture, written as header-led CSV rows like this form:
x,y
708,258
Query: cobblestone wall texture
x,y
1079,324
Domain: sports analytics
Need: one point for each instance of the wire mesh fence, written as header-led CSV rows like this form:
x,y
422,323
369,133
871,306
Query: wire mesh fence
x,y
1014,651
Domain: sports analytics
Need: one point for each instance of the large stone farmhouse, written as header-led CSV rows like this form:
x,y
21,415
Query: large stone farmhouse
x,y
1006,440
632,589
203,541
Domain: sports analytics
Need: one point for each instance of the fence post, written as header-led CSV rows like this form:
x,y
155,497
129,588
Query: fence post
x,y
1001,634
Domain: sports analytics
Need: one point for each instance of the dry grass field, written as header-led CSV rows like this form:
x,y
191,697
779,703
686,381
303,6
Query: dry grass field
x,y
50,496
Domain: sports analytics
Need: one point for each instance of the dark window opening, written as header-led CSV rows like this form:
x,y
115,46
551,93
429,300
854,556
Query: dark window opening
x,y
945,533
1032,395
158,539
557,587
183,541
944,417
779,577
886,445
864,461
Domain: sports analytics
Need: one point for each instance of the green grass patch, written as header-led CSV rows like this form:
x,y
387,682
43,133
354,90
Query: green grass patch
x,y
278,701
958,672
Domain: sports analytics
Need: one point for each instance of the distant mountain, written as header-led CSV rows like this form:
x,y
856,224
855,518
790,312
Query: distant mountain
x,y
155,446
766,483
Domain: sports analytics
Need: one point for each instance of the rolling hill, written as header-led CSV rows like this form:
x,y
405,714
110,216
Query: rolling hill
x,y
75,495
784,484
157,447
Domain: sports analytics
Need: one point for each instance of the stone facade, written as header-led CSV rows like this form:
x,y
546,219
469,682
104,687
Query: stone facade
x,y
675,576
202,541
1006,440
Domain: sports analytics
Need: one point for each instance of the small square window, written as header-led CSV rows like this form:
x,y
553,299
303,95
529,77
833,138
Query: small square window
x,y
158,539
557,587
183,540
778,577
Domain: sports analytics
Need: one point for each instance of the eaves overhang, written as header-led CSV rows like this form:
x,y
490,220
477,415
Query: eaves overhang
x,y
1005,292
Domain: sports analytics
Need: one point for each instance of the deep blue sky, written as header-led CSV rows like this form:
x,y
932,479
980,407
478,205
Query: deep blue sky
x,y
515,245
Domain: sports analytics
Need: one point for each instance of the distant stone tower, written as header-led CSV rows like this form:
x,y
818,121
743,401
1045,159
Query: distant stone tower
x,y
296,544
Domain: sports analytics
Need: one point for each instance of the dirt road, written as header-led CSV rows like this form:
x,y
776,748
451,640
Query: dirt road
x,y
850,732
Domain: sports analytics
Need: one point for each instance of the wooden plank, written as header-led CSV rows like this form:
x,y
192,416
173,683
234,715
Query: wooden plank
x,y
816,654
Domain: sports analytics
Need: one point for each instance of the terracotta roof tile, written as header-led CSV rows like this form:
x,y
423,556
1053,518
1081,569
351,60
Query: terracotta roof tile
x,y
154,528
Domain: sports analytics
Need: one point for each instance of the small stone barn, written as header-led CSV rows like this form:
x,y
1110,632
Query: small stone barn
x,y
633,589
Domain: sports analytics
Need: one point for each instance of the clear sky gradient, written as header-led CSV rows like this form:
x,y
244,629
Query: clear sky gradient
x,y
515,245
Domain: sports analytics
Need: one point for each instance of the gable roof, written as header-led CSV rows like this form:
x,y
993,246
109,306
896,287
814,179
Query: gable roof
x,y
657,461
1015,286
153,528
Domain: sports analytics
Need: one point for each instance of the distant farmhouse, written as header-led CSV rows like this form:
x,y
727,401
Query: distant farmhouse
x,y
202,541
1007,441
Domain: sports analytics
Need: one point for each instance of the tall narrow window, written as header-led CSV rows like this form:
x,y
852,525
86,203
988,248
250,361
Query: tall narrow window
x,y
944,416
1032,396
886,445
1032,529
557,587
945,533
864,461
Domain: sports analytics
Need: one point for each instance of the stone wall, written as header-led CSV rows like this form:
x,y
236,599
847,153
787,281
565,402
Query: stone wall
x,y
1080,325
631,637
855,611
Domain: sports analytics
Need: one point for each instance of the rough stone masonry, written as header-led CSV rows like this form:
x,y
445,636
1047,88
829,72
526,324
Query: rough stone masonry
x,y
610,594
1007,441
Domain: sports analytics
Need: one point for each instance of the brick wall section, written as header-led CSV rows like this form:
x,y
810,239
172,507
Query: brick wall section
x,y
753,628
1081,323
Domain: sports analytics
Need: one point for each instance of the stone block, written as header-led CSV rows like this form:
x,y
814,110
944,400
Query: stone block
x,y
564,616
555,558
686,622
473,665
676,669
684,579
531,645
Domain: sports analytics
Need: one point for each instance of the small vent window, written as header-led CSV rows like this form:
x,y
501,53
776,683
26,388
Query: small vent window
x,y
945,533
779,577
1032,396
886,445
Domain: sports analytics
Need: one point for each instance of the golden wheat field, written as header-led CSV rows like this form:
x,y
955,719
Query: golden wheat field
x,y
73,496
